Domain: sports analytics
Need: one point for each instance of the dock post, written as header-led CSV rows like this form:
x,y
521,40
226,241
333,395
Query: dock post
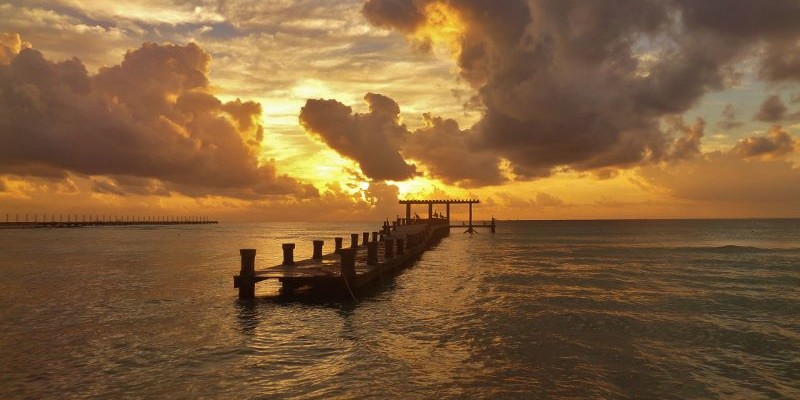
x,y
338,245
348,263
380,238
366,238
389,248
400,250
408,210
372,253
318,249
374,236
246,282
288,253
353,240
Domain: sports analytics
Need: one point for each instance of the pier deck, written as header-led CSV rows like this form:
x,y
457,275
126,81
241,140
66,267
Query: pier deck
x,y
396,247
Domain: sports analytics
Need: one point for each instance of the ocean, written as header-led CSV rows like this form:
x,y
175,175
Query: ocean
x,y
667,309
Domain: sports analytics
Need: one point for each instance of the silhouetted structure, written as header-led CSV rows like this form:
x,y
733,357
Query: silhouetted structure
x,y
352,268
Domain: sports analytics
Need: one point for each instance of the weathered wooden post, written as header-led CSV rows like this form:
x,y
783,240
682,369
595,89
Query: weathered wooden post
x,y
380,238
318,249
338,245
366,238
353,240
374,236
246,279
348,263
389,248
288,253
400,250
372,253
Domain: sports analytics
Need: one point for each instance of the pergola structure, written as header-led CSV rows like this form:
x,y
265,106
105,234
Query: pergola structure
x,y
447,203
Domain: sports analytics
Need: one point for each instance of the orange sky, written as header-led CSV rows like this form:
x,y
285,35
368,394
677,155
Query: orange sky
x,y
320,110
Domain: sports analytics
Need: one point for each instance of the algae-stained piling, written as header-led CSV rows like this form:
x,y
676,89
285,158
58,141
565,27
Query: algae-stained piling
x,y
347,269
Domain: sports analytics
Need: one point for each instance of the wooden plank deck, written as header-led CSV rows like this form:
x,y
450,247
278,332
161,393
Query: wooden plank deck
x,y
326,273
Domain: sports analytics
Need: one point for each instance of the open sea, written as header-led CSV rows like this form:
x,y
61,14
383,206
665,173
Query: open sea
x,y
674,309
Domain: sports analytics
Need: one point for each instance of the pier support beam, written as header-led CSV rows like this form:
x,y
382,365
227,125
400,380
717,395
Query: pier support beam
x,y
353,240
408,211
318,249
348,263
430,210
372,253
365,239
337,245
246,279
374,236
288,253
389,248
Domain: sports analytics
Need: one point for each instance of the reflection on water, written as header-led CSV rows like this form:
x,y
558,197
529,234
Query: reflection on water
x,y
643,309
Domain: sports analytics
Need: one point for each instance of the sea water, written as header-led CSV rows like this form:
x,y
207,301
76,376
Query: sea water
x,y
541,309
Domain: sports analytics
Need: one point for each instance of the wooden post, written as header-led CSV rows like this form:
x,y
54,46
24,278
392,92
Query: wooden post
x,y
366,238
353,240
288,253
447,207
400,250
348,263
430,210
318,249
389,249
246,282
372,253
408,210
374,236
338,245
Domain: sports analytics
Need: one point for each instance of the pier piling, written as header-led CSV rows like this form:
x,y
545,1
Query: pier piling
x,y
348,263
337,245
389,248
318,249
365,240
400,250
353,240
246,282
288,253
372,253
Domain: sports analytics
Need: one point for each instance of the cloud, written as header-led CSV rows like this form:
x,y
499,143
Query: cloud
x,y
729,118
447,153
687,144
152,116
755,177
772,110
585,84
371,139
775,143
541,200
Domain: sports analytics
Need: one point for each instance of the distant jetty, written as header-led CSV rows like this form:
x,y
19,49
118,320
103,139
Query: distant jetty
x,y
369,256
79,221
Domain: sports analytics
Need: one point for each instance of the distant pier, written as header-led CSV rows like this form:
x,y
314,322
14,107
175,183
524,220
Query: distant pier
x,y
79,221
366,257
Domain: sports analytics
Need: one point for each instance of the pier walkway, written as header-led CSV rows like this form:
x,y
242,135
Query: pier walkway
x,y
368,256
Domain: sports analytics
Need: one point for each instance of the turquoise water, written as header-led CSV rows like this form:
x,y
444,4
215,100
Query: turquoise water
x,y
611,309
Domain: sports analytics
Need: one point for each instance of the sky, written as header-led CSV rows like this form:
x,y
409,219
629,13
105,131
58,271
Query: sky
x,y
316,110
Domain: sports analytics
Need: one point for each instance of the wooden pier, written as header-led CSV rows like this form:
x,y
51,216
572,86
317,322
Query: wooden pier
x,y
74,221
346,270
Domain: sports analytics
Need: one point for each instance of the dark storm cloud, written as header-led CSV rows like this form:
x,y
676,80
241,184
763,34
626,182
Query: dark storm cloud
x,y
446,151
378,143
586,84
370,139
151,116
775,143
772,110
